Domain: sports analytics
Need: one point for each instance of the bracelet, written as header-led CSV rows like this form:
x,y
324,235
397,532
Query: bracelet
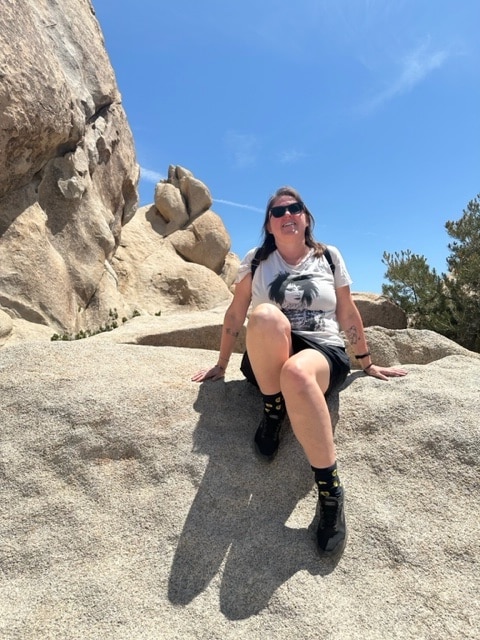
x,y
364,355
368,366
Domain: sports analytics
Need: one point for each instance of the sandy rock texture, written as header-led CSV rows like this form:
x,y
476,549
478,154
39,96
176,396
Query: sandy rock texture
x,y
132,505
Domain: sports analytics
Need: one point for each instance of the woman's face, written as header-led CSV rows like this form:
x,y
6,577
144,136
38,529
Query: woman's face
x,y
289,225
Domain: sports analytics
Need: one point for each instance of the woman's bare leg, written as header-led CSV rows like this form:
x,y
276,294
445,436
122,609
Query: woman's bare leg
x,y
304,379
269,345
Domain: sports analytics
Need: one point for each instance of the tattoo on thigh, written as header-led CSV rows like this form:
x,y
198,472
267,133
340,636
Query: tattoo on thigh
x,y
352,334
231,332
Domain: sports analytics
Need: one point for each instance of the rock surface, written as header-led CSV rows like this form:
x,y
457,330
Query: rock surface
x,y
68,174
205,242
203,330
133,507
154,278
379,310
68,184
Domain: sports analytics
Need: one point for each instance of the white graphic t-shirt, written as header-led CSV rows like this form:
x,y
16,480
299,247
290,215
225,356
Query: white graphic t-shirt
x,y
305,292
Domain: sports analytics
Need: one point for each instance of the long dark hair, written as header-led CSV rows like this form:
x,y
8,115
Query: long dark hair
x,y
268,245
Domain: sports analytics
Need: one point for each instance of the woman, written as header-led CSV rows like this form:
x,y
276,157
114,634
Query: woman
x,y
295,353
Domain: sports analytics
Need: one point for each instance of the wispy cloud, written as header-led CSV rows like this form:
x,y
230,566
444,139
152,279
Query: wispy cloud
x,y
243,146
415,67
238,205
150,176
291,157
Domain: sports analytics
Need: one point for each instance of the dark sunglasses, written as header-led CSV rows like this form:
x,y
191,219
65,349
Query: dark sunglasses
x,y
294,208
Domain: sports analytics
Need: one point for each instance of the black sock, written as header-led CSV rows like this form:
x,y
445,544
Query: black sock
x,y
274,406
328,481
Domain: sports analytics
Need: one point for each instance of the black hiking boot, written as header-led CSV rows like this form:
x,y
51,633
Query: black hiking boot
x,y
332,529
267,437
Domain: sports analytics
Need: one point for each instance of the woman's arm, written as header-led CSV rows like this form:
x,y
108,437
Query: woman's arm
x,y
232,325
351,323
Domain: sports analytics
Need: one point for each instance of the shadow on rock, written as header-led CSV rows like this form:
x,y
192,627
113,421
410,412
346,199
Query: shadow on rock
x,y
236,529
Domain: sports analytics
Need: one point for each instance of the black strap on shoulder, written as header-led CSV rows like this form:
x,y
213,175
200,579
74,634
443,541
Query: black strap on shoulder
x,y
256,260
328,256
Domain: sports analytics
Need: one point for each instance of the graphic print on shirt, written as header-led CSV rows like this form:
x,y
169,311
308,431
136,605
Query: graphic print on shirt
x,y
294,294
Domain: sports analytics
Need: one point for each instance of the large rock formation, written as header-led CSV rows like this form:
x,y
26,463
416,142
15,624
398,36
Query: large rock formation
x,y
68,174
154,278
132,505
68,185
175,254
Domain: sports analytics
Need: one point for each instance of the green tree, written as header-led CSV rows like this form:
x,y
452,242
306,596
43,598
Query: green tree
x,y
448,303
464,280
419,291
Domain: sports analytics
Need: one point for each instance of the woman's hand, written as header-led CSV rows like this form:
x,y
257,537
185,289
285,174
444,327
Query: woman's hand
x,y
215,373
383,373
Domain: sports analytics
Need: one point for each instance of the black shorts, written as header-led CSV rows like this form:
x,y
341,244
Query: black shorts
x,y
337,359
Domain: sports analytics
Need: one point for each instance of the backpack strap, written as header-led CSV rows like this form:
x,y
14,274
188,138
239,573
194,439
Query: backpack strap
x,y
328,256
256,260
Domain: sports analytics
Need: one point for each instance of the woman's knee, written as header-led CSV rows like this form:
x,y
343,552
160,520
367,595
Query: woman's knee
x,y
299,375
294,376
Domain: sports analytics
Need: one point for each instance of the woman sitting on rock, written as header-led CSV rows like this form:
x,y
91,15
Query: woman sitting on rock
x,y
300,294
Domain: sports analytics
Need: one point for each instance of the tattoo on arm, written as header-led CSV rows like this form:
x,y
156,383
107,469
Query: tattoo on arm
x,y
352,334
231,332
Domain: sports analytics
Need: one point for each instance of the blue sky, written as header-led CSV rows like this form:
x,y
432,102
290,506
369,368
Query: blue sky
x,y
370,108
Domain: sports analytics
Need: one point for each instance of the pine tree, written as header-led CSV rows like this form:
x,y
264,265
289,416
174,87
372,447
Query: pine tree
x,y
419,291
448,303
464,280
